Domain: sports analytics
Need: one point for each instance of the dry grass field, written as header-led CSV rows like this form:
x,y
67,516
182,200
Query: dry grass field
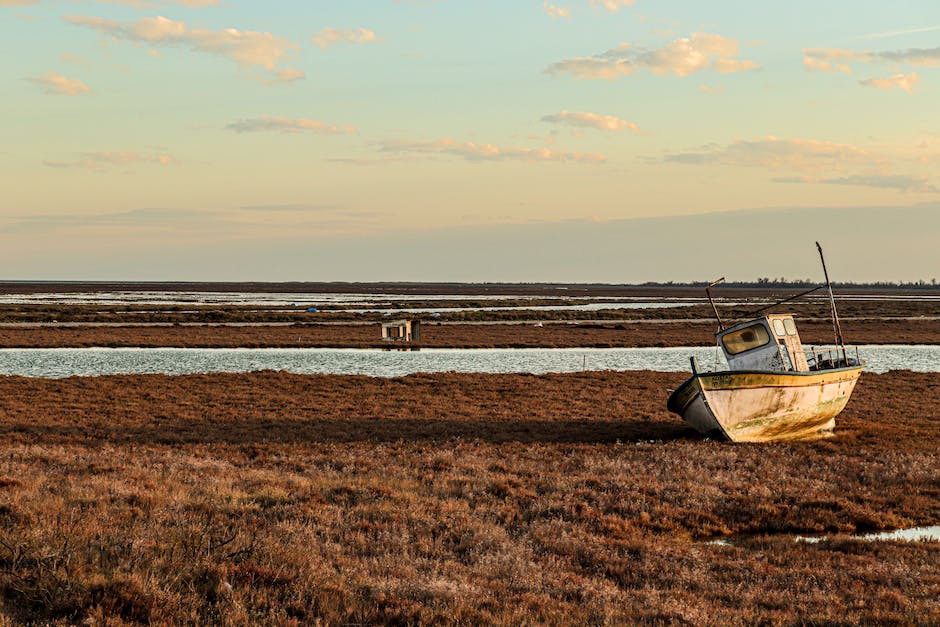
x,y
469,335
452,498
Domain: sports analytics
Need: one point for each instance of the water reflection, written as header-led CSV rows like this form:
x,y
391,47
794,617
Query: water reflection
x,y
155,297
914,534
65,362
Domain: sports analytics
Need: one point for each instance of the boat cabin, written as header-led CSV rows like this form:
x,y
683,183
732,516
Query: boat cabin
x,y
768,343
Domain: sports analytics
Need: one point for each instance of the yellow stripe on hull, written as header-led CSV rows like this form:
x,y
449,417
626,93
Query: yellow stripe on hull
x,y
739,380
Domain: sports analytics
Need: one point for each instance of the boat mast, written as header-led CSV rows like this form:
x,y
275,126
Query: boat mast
x,y
708,291
836,326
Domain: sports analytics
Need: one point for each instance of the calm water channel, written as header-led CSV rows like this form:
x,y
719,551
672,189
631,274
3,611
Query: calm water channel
x,y
336,302
65,362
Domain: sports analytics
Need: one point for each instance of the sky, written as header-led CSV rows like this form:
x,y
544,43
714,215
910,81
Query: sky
x,y
512,140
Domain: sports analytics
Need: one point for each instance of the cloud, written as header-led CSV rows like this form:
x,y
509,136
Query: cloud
x,y
289,74
554,11
905,82
382,160
731,66
781,154
203,225
612,5
103,161
472,151
681,57
590,120
835,55
277,124
246,48
53,83
813,64
825,58
812,159
289,208
927,57
591,68
900,182
329,36
298,210
148,219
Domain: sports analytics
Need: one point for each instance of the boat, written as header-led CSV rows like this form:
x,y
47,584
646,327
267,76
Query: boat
x,y
773,389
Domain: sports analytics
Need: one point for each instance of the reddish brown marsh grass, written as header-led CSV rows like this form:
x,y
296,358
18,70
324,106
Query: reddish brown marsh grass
x,y
891,304
280,498
468,335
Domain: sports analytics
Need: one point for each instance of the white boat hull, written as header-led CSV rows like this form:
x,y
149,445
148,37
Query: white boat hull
x,y
764,406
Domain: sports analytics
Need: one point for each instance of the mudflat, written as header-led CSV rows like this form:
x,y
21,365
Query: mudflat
x,y
273,497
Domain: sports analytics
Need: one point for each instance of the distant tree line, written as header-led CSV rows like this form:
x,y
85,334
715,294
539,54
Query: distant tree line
x,y
783,282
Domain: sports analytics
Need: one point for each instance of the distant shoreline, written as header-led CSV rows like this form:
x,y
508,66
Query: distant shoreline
x,y
442,288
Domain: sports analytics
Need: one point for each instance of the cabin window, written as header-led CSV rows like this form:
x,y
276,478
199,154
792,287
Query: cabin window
x,y
745,339
779,327
790,326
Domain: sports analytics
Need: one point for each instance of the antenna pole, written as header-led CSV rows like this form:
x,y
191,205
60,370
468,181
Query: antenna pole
x,y
836,326
753,313
708,292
